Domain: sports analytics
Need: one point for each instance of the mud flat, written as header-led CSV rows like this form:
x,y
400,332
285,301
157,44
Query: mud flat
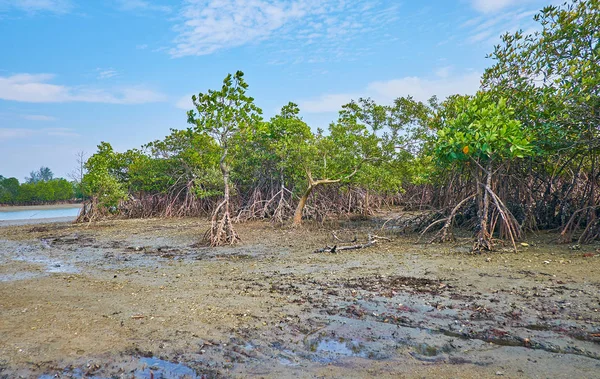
x,y
140,298
36,221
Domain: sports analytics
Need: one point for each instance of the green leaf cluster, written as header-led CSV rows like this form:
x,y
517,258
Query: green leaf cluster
x,y
480,129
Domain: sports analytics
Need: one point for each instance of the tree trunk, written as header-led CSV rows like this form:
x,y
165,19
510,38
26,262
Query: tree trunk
x,y
311,185
221,231
225,173
484,236
301,205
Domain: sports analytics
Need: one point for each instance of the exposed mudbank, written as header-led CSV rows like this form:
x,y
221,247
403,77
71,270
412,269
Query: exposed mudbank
x,y
140,298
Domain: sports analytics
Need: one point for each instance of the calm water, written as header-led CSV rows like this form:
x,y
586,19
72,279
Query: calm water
x,y
30,214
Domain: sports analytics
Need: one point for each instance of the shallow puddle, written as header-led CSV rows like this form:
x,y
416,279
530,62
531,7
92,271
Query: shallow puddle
x,y
160,369
327,350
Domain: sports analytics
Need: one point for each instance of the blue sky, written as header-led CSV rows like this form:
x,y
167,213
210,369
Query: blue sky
x,y
74,73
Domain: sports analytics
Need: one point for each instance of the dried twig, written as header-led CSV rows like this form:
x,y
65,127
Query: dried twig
x,y
372,241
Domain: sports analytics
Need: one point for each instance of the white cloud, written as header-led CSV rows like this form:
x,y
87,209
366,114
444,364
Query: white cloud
x,y
34,6
60,132
185,103
34,88
210,25
142,5
481,36
142,46
327,103
38,117
11,133
137,95
488,28
15,133
106,73
444,72
387,91
491,6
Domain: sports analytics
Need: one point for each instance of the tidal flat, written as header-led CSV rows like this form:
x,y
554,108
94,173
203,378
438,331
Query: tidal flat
x,y
144,299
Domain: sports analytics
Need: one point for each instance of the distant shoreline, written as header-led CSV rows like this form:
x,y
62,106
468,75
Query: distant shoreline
x,y
33,221
15,208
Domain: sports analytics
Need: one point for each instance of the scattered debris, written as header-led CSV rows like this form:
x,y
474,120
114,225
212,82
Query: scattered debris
x,y
372,241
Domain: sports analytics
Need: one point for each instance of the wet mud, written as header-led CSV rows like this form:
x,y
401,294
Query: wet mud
x,y
142,299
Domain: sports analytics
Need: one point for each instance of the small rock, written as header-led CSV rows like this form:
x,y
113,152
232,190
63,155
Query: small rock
x,y
499,373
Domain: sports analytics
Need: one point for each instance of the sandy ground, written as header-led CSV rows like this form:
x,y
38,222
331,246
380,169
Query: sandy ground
x,y
141,299
30,221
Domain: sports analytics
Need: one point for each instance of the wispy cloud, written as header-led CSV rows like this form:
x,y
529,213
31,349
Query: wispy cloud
x,y
185,102
17,133
35,6
208,26
60,132
38,117
488,28
491,6
11,133
386,91
106,73
142,5
443,72
34,88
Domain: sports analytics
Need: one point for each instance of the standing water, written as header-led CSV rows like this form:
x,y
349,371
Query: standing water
x,y
33,214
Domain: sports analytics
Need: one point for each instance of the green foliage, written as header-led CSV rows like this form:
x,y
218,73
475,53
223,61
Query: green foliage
x,y
223,113
9,191
44,174
35,192
551,77
183,157
106,171
391,141
481,130
273,150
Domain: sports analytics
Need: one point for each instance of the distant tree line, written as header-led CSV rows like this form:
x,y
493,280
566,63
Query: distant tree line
x,y
39,188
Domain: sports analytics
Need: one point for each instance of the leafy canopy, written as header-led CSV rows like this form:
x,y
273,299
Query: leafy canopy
x,y
482,130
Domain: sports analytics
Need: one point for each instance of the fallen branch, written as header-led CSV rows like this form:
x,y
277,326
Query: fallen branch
x,y
339,240
372,241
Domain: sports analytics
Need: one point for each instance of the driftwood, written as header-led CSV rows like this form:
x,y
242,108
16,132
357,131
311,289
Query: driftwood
x,y
372,241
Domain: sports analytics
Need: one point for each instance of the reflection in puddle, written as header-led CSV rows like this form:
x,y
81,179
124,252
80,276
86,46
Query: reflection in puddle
x,y
160,369
150,368
338,347
328,350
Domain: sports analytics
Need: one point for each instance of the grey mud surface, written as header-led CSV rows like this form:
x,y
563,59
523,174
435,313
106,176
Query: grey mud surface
x,y
141,299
